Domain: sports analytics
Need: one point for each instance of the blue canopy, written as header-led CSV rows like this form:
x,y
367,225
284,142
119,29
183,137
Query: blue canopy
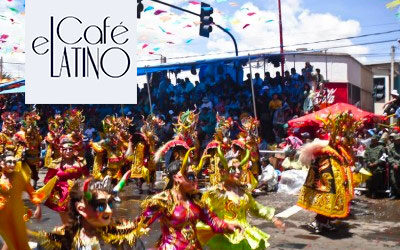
x,y
20,89
12,85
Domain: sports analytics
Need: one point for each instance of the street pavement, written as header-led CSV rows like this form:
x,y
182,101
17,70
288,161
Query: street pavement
x,y
373,223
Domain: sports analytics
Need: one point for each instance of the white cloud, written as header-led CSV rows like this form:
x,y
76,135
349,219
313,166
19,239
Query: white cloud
x,y
300,25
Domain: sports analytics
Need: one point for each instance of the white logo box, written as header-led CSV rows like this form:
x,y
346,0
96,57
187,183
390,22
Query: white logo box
x,y
81,52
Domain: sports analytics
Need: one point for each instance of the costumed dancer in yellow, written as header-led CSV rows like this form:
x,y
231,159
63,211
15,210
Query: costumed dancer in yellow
x,y
9,128
249,135
221,139
232,202
53,151
91,224
12,210
141,150
29,141
114,146
74,126
185,138
329,186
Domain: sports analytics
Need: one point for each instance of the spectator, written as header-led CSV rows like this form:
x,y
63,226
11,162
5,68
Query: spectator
x,y
268,180
275,103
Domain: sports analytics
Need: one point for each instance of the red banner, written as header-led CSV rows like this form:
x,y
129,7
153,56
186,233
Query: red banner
x,y
335,93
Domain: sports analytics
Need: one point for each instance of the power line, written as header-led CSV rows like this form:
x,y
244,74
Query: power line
x,y
299,44
252,50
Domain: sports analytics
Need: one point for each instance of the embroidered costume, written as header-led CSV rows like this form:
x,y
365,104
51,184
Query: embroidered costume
x,y
221,139
12,210
329,186
234,208
113,147
59,197
178,221
141,154
120,234
29,141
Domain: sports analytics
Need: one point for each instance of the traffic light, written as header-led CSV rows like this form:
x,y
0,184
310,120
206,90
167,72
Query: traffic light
x,y
379,89
140,8
206,20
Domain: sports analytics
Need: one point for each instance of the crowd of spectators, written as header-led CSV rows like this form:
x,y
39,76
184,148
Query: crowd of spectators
x,y
277,101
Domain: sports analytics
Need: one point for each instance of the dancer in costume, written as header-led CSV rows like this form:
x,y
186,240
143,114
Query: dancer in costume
x,y
29,141
114,146
9,128
221,139
249,135
179,212
53,151
141,152
231,201
91,225
74,127
12,210
68,169
185,138
328,188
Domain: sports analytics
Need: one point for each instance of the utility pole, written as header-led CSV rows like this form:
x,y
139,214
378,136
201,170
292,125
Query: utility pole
x,y
391,83
281,41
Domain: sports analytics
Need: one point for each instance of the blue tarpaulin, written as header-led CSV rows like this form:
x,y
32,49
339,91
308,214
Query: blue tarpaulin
x,y
12,85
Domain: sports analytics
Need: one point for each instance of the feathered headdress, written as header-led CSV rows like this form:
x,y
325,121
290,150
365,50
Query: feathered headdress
x,y
30,119
73,121
341,128
55,124
187,122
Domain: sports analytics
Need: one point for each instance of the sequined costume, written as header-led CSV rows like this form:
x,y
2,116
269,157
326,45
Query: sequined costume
x,y
249,136
12,210
113,147
222,139
29,141
73,126
8,130
120,234
142,155
178,221
66,174
185,137
53,153
234,209
329,186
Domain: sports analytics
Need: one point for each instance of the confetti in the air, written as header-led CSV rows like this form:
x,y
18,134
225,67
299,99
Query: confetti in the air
x,y
246,25
189,41
158,12
14,10
144,45
251,13
194,2
148,8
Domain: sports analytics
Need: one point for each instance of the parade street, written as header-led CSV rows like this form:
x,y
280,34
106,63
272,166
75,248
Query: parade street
x,y
373,223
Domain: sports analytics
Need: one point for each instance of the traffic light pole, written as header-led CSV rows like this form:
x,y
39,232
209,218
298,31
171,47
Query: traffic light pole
x,y
193,13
